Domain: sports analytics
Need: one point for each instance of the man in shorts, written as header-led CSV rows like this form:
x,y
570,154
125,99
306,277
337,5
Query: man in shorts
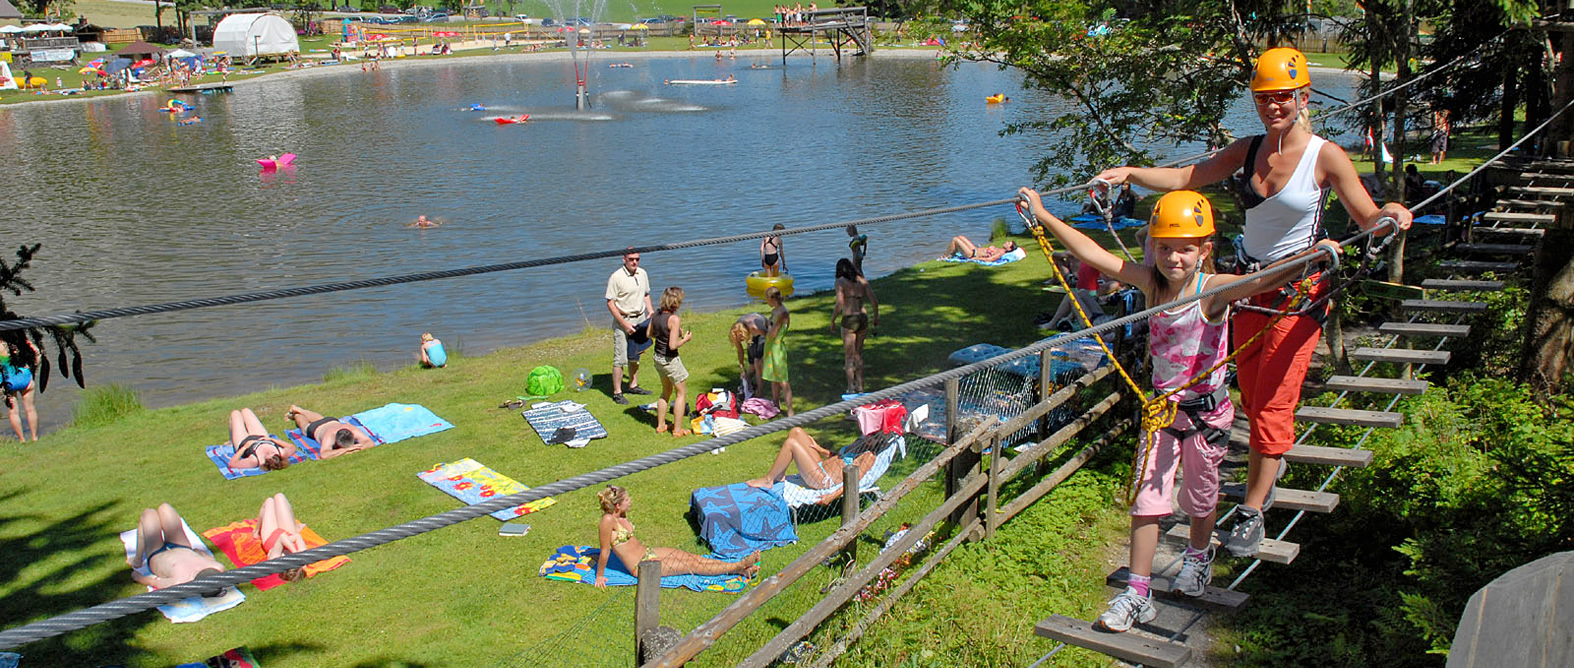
x,y
628,299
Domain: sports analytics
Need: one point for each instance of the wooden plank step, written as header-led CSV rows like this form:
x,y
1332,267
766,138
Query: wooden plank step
x,y
1495,249
1349,416
1398,356
1461,285
1164,585
1441,306
1422,329
1287,499
1275,551
1364,384
1543,190
1126,646
1546,175
1520,217
1325,456
1528,204
1531,232
1477,266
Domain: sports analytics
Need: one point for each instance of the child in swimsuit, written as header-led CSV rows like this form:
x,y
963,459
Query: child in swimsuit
x,y
1186,343
617,539
772,261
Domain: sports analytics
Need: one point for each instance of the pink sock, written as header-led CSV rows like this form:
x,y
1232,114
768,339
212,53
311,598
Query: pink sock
x,y
1198,554
1139,583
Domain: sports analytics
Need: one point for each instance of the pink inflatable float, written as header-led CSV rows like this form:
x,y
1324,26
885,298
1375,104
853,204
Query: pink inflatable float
x,y
269,164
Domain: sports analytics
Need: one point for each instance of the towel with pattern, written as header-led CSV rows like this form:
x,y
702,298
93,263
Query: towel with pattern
x,y
546,418
192,608
239,542
471,482
735,520
1007,258
220,455
577,563
396,422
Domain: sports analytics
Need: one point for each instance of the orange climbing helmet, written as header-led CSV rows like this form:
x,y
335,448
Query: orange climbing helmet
x,y
1182,214
1283,68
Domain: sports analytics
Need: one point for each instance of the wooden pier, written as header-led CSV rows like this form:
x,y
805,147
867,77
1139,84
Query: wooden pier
x,y
843,27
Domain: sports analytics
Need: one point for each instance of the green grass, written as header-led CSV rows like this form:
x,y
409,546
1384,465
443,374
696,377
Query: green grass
x,y
464,596
100,406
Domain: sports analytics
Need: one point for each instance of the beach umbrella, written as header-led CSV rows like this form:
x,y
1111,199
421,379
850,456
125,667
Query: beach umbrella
x,y
181,53
36,27
66,28
641,26
117,65
86,70
584,31
756,22
10,30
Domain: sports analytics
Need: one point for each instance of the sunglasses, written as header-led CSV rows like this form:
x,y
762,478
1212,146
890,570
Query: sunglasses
x,y
1275,97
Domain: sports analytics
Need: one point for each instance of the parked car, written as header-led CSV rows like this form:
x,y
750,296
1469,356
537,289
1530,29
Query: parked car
x,y
437,17
388,9
579,21
522,17
548,22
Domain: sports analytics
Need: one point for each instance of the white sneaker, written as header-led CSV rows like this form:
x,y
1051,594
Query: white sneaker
x,y
1195,574
1126,609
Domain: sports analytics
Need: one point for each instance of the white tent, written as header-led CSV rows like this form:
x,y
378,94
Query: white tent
x,y
249,35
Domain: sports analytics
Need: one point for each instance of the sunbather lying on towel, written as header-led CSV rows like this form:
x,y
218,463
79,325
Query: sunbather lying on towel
x,y
820,468
163,546
617,537
254,448
280,533
336,438
964,248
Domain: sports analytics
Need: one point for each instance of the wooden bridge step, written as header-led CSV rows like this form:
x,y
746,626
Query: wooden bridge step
x,y
1164,585
1287,499
1543,190
1478,266
1422,329
1127,646
1520,217
1326,456
1528,204
1461,285
1531,232
1384,385
1349,416
1438,306
1398,356
1275,551
1495,249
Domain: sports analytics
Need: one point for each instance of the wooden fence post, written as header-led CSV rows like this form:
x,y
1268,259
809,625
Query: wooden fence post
x,y
996,444
850,507
647,602
965,463
1046,380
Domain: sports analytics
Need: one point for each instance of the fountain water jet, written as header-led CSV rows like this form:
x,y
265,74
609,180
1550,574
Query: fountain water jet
x,y
576,37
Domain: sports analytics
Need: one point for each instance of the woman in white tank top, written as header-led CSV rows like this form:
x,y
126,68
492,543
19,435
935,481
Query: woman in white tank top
x,y
1285,176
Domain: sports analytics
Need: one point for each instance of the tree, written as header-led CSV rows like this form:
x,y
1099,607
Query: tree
x,y
63,337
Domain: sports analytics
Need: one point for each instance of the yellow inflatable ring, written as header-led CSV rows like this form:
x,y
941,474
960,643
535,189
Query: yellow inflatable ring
x,y
758,283
996,98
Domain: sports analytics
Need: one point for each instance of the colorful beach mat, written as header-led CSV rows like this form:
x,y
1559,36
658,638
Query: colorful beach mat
x,y
396,422
577,563
1007,258
239,542
192,608
220,455
546,419
471,482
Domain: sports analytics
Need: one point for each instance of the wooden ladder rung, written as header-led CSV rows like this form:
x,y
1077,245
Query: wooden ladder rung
x,y
1164,585
1126,646
1327,456
1439,306
1383,385
1528,203
1349,416
1495,249
1400,356
1535,232
1287,499
1422,329
1456,285
1478,266
1520,217
1543,190
1275,551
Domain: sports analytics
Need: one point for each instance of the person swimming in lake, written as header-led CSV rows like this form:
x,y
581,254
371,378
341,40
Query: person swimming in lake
x,y
423,222
617,539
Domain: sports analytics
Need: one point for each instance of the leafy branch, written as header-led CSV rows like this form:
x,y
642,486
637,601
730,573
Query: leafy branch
x,y
28,346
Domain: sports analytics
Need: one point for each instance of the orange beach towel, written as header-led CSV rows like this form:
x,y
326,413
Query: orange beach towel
x,y
239,542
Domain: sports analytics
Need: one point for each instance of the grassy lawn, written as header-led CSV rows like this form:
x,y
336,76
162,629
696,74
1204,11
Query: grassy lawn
x,y
463,595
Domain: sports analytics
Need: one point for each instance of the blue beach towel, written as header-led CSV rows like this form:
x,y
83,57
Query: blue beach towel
x,y
1008,258
737,519
577,563
220,456
1089,221
1433,219
397,422
550,417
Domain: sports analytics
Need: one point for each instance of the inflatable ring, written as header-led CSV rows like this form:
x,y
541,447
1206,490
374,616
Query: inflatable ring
x,y
996,98
758,283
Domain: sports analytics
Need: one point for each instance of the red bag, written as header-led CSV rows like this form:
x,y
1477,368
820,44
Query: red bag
x,y
888,416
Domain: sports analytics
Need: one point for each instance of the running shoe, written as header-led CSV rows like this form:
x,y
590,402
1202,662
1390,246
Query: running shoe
x,y
636,390
1195,573
1246,535
1126,609
619,399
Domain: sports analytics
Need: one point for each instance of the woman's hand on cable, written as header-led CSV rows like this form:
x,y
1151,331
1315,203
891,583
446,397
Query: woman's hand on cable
x,y
1035,202
1334,250
1115,176
1398,212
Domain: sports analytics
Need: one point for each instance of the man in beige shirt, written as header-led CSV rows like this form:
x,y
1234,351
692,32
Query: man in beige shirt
x,y
628,298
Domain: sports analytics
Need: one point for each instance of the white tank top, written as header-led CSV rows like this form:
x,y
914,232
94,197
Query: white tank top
x,y
1289,221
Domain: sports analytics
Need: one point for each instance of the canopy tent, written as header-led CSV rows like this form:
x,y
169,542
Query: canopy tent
x,y
135,49
251,35
10,30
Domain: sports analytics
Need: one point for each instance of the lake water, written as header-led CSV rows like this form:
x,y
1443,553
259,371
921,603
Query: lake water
x,y
133,209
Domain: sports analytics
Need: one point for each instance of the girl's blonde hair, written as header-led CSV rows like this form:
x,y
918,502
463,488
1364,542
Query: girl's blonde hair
x,y
773,294
671,299
427,336
612,497
738,333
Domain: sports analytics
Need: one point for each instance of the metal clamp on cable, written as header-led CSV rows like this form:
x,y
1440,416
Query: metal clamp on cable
x,y
1333,259
1376,245
1098,196
1027,218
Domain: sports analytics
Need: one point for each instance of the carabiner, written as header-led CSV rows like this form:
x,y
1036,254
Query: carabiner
x,y
1027,218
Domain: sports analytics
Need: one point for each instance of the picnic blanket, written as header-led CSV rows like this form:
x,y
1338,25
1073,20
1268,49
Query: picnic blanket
x,y
239,542
1433,219
396,422
471,482
577,563
737,519
1007,258
220,455
547,417
192,608
1093,221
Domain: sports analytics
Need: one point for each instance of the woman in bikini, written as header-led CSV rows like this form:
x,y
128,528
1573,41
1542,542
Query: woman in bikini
x,y
279,533
820,468
163,547
964,248
337,438
254,448
772,261
617,537
852,293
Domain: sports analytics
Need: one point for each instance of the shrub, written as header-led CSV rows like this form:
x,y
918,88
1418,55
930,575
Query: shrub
x,y
104,405
356,372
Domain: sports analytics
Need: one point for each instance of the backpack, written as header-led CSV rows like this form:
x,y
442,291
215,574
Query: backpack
x,y
544,380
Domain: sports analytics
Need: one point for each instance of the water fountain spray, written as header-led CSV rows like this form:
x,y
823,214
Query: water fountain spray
x,y
573,40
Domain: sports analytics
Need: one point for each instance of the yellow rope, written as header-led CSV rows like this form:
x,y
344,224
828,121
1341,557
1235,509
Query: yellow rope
x,y
1158,411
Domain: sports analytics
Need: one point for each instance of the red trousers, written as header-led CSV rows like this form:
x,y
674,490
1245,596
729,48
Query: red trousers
x,y
1271,370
